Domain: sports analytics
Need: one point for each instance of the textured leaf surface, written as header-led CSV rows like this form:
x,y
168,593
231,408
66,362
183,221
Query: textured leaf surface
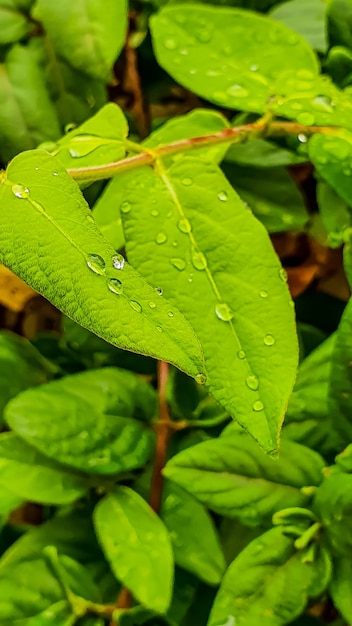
x,y
332,157
31,476
27,116
217,53
266,584
231,476
193,535
48,238
65,422
137,546
187,231
306,17
333,505
341,587
95,36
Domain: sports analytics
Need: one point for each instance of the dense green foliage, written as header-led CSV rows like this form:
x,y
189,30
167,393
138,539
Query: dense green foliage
x,y
149,432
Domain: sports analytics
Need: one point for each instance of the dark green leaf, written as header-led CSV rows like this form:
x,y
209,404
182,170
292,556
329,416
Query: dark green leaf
x,y
333,504
73,265
334,212
233,477
137,546
339,16
14,25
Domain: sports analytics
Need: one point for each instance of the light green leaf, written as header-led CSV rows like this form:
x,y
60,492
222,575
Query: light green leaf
x,y
107,213
66,258
306,17
8,502
31,476
332,157
341,587
100,33
232,477
14,25
268,583
64,422
217,53
274,199
27,115
189,232
334,212
137,546
333,504
261,153
21,366
193,535
58,613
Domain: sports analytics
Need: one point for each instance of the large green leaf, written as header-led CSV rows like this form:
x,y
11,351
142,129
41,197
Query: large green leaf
x,y
268,583
306,17
27,115
333,504
49,238
188,231
95,35
217,53
31,476
14,24
231,476
341,587
137,546
65,422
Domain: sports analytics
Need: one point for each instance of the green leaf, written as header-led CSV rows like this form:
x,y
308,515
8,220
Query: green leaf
x,y
66,422
341,587
268,582
137,546
31,476
107,213
27,116
274,199
217,53
73,265
198,247
332,157
261,153
232,477
193,536
307,18
339,65
339,23
21,366
100,33
340,387
334,212
14,25
58,613
333,504
8,502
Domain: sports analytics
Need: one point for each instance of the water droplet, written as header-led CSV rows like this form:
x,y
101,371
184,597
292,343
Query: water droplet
x,y
152,304
305,118
213,73
36,169
20,191
154,213
323,103
135,306
283,274
159,291
179,263
253,68
269,340
302,138
237,91
190,278
192,71
187,181
96,263
160,238
170,44
115,285
222,196
200,378
184,52
184,226
125,207
74,153
223,312
241,354
204,36
258,405
170,313
118,261
252,382
55,173
263,293
90,218
159,329
198,260
70,127
175,244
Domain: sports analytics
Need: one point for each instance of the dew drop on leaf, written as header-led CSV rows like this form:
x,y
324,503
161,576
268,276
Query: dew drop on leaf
x,y
154,213
135,306
20,191
178,263
200,378
223,196
159,291
55,173
159,329
125,207
302,138
170,313
223,312
269,340
263,293
96,263
115,285
253,68
160,238
170,44
198,260
184,226
258,405
252,382
152,304
187,182
323,103
283,274
118,261
238,91
241,354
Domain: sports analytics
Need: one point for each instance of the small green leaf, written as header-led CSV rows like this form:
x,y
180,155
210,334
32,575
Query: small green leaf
x,y
202,241
67,422
27,115
268,581
31,476
341,587
193,536
73,266
334,212
14,25
306,18
332,157
100,33
217,53
137,546
233,477
333,504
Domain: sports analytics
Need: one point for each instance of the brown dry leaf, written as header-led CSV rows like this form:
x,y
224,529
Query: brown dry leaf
x,y
14,293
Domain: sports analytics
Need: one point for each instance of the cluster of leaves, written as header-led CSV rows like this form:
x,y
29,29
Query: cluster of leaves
x,y
240,537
